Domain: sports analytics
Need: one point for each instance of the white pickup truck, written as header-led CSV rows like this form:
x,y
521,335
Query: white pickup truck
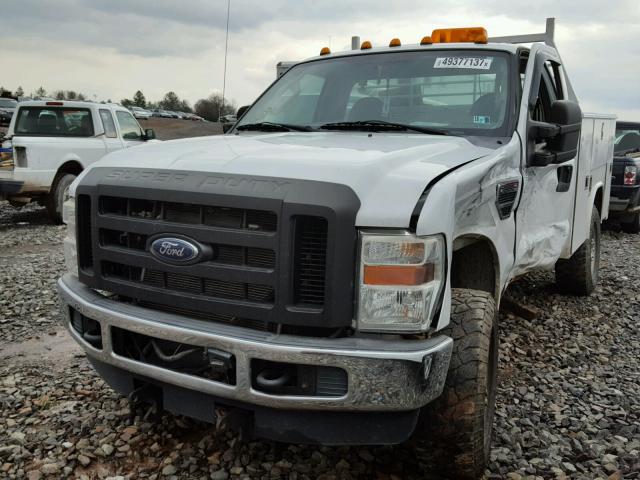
x,y
331,270
49,143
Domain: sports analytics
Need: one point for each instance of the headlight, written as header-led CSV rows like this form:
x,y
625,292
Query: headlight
x,y
70,250
401,277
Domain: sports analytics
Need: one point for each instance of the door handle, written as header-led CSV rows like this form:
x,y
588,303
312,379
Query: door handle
x,y
564,178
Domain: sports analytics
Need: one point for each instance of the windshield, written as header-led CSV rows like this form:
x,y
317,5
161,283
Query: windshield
x,y
52,121
461,91
7,103
627,138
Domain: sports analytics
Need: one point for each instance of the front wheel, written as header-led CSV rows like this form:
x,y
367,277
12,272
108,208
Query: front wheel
x,y
454,433
578,275
58,195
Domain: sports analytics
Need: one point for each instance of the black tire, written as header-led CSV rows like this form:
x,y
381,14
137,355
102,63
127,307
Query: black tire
x,y
579,274
631,224
454,432
58,195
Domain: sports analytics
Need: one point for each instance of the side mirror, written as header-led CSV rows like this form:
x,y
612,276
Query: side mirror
x,y
241,110
562,134
149,134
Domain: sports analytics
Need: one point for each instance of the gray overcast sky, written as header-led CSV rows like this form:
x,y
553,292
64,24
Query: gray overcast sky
x,y
111,48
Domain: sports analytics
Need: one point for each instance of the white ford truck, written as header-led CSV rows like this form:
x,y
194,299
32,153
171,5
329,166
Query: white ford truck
x,y
49,143
331,269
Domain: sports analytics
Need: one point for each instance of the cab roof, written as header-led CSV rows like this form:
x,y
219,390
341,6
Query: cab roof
x,y
505,47
67,103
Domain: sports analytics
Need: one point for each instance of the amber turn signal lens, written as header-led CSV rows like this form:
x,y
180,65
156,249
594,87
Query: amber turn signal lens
x,y
366,45
398,275
460,35
325,51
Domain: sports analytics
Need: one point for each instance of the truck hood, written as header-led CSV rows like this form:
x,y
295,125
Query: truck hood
x,y
387,171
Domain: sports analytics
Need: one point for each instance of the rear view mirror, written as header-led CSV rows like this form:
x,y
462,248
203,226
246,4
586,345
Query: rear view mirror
x,y
149,134
561,133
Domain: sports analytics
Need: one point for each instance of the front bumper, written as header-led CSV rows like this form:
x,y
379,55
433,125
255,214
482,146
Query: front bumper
x,y
383,375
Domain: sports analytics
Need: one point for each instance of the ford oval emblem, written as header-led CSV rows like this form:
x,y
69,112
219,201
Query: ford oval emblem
x,y
175,250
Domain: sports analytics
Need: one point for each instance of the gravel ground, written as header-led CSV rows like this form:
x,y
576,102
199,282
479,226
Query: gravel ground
x,y
568,400
172,128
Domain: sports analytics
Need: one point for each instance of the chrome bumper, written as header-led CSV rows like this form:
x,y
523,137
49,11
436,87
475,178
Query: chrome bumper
x,y
383,375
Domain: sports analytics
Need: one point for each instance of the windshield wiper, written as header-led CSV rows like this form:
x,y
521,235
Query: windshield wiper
x,y
377,125
274,127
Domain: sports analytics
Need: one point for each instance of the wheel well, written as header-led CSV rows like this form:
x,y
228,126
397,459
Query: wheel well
x,y
71,167
475,265
598,201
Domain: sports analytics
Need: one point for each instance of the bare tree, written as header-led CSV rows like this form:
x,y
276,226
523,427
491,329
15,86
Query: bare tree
x,y
211,108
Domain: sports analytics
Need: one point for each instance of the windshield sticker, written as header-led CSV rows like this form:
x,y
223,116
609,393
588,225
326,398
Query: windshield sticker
x,y
481,119
473,63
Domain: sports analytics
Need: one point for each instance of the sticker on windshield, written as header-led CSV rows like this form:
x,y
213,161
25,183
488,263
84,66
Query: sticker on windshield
x,y
474,63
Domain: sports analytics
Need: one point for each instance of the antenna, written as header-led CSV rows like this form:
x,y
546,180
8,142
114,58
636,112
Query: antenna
x,y
546,37
224,75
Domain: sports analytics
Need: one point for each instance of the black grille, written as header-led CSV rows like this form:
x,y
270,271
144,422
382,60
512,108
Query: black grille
x,y
275,254
222,254
310,260
179,282
186,213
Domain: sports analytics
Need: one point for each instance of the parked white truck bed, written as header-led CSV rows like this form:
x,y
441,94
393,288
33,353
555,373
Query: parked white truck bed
x,y
50,142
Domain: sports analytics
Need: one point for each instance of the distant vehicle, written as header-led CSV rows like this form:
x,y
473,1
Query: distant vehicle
x,y
7,107
625,184
141,113
158,112
228,119
48,144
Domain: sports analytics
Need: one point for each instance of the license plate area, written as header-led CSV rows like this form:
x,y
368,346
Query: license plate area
x,y
203,362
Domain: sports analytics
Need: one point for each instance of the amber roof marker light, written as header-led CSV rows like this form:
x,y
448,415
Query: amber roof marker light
x,y
325,51
426,40
395,43
460,35
366,45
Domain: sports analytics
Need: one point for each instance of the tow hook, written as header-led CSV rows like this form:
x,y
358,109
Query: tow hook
x,y
272,379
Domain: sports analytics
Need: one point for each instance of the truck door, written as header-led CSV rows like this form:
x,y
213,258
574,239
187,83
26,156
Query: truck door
x,y
111,140
545,212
